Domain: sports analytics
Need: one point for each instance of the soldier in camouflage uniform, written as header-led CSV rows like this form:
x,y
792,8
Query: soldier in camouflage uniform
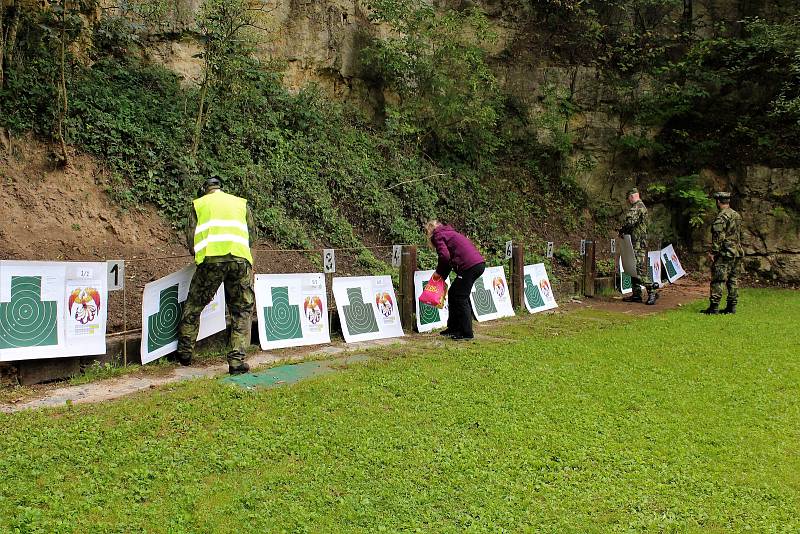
x,y
635,224
221,244
726,254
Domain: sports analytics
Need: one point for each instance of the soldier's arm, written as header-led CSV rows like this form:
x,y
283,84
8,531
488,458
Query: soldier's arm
x,y
191,225
631,220
251,225
717,235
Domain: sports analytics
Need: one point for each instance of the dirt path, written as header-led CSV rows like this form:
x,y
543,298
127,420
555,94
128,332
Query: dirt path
x,y
676,295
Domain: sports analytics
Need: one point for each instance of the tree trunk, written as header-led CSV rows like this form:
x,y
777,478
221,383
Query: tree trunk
x,y
198,125
62,89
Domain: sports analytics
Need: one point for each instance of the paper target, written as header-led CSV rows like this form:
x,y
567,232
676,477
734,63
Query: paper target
x,y
27,320
490,297
672,264
162,306
539,294
292,310
428,317
52,309
367,308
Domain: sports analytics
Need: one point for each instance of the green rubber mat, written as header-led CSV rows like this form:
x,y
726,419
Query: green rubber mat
x,y
291,374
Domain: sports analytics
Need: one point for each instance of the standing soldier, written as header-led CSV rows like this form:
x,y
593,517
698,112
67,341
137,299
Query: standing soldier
x,y
726,255
636,221
219,230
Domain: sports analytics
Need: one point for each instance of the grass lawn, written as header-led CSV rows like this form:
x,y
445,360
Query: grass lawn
x,y
585,422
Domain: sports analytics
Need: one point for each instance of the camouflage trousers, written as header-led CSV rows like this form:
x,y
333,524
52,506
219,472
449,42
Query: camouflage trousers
x,y
725,272
239,297
643,272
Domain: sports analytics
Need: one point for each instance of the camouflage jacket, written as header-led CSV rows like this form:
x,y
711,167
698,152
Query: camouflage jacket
x,y
726,235
635,224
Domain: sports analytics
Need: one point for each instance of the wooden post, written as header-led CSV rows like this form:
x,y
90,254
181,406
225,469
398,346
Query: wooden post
x,y
517,276
408,264
589,269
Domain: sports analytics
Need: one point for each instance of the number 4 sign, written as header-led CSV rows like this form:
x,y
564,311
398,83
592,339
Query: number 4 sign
x,y
509,249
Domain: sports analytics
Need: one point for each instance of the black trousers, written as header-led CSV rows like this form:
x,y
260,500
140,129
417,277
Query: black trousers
x,y
460,320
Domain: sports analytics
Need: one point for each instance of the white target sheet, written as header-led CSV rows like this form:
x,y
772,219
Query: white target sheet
x,y
672,264
539,295
292,310
367,308
654,264
428,317
162,305
490,296
52,309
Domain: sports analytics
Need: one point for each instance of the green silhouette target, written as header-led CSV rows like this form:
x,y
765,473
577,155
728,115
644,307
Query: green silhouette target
x,y
626,281
359,317
532,293
484,303
670,267
428,314
27,321
282,320
163,326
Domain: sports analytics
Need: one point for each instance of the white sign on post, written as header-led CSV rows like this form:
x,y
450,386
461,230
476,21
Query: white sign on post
x,y
583,247
613,246
509,249
329,261
549,249
397,255
116,274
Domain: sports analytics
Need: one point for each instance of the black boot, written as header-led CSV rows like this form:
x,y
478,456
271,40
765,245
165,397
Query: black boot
x,y
652,298
730,308
240,370
713,309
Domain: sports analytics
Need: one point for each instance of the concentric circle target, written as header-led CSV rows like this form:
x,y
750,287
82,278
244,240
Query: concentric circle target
x,y
484,303
163,326
359,317
282,320
27,321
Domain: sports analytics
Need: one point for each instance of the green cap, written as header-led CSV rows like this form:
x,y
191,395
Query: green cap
x,y
633,191
723,196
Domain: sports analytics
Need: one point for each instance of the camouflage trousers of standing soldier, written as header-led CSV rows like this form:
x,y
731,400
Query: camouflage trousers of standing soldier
x,y
239,297
725,272
643,270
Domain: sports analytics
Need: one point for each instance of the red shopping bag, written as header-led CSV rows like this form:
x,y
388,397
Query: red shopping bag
x,y
435,292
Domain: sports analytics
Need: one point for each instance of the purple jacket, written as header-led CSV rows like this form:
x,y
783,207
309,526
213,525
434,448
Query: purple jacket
x,y
455,251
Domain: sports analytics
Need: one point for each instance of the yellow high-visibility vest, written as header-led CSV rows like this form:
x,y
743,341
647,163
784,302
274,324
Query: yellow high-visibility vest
x,y
221,227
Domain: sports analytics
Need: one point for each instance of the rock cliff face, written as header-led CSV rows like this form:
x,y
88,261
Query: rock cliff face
x,y
319,42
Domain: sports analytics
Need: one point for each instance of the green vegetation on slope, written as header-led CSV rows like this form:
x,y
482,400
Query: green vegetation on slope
x,y
587,421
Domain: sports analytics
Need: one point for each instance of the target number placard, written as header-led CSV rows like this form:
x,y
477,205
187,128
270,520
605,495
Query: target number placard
x,y
549,253
116,274
328,261
397,255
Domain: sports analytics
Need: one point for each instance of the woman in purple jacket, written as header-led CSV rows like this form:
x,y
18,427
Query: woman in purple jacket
x,y
456,253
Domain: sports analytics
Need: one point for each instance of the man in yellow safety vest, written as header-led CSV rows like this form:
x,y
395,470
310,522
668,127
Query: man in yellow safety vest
x,y
219,230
